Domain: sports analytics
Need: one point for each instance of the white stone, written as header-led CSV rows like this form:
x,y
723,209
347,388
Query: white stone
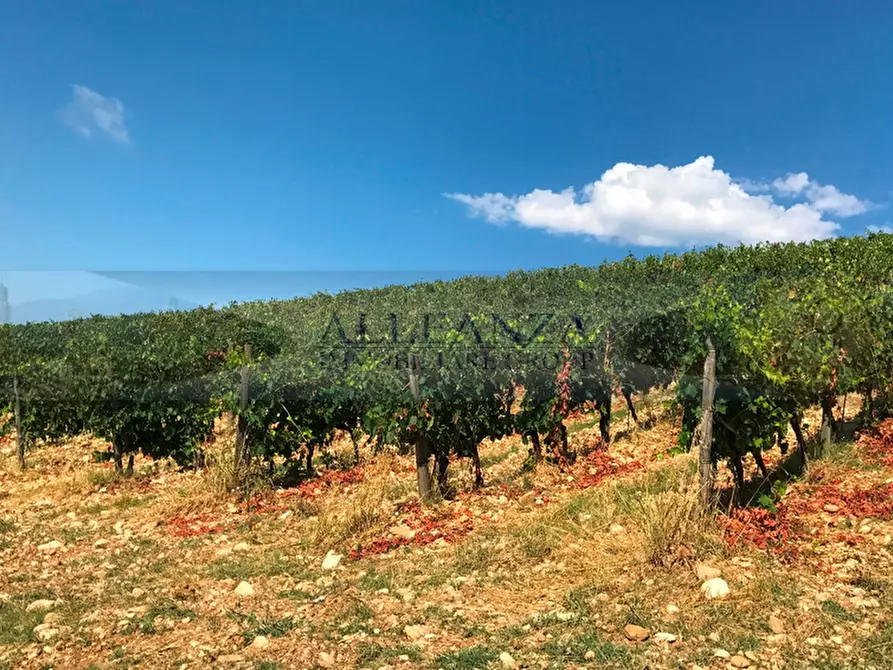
x,y
244,589
261,642
331,561
415,632
507,661
45,632
50,546
326,660
715,588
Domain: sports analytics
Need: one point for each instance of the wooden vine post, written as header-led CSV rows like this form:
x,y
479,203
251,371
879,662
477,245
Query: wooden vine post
x,y
422,450
705,460
20,438
824,445
829,428
241,455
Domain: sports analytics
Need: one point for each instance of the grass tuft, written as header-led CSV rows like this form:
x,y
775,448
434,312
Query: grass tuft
x,y
471,658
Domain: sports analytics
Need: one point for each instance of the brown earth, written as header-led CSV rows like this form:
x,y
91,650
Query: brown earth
x,y
551,569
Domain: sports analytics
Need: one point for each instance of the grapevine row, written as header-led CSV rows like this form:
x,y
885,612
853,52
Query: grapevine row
x,y
793,325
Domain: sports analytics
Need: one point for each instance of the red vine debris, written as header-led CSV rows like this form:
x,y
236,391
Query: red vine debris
x,y
875,502
598,465
877,443
426,526
193,526
330,479
758,527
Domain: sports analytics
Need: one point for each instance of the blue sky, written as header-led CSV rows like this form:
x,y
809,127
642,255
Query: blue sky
x,y
307,136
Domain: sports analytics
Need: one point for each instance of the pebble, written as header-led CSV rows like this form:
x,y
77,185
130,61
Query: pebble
x,y
415,632
830,507
636,633
669,638
706,572
776,625
45,632
507,661
50,546
739,662
331,561
242,546
261,642
527,498
721,653
326,660
672,609
589,655
138,592
715,588
837,639
244,589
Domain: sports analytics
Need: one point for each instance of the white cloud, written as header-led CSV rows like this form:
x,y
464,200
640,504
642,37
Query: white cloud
x,y
495,207
660,206
823,198
89,111
880,229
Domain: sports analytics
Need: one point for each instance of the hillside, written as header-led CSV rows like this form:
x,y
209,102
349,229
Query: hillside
x,y
541,570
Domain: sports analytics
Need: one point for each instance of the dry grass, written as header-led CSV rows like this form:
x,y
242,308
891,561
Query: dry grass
x,y
370,504
548,582
675,527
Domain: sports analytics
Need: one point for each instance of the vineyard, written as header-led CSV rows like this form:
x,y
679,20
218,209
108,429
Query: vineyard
x,y
516,471
438,368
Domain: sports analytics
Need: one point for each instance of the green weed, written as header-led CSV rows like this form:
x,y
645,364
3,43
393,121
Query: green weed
x,y
471,658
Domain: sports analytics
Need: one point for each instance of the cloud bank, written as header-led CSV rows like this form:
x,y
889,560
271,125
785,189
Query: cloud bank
x,y
690,204
90,111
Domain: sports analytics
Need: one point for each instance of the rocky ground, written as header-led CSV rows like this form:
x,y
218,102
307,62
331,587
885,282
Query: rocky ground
x,y
610,563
